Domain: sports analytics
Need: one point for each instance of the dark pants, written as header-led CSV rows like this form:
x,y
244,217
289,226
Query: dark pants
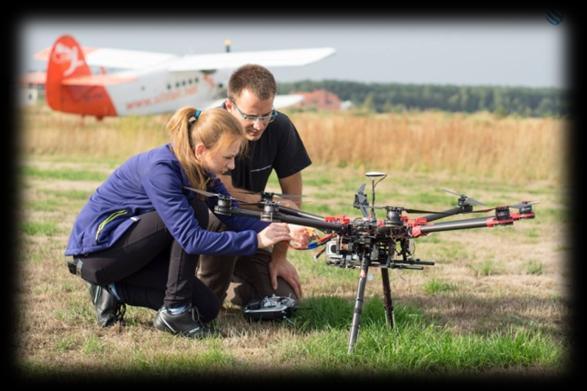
x,y
151,269
239,279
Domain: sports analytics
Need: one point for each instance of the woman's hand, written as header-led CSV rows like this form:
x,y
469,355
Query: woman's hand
x,y
274,233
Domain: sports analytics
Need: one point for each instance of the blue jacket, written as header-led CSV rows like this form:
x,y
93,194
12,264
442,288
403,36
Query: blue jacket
x,y
154,180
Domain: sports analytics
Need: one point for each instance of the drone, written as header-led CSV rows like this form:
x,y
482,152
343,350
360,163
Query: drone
x,y
368,241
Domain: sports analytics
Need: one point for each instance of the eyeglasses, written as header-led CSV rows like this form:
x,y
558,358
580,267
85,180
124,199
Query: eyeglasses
x,y
254,118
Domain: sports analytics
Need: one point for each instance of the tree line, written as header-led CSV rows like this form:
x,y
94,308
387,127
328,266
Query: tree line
x,y
393,97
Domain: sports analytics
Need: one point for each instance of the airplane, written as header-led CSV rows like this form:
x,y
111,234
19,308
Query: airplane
x,y
147,82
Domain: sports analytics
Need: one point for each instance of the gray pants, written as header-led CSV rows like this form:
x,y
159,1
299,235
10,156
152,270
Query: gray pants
x,y
239,279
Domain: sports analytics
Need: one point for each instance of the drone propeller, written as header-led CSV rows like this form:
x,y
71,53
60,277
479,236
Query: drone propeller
x,y
217,195
361,201
464,200
523,204
267,204
402,209
204,192
268,195
523,207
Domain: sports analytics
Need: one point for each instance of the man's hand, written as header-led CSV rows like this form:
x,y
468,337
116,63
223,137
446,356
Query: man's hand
x,y
281,267
300,236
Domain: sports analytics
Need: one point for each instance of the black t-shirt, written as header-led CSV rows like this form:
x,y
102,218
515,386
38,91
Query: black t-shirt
x,y
280,148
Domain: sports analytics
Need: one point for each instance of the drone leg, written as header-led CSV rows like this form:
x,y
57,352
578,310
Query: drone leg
x,y
389,317
358,305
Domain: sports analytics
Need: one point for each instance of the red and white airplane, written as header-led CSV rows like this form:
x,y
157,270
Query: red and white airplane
x,y
148,82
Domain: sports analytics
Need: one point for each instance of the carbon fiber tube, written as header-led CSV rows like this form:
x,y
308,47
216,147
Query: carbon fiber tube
x,y
358,305
453,225
280,217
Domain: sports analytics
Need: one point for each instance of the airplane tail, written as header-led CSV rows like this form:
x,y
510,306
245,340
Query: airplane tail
x,y
66,67
66,60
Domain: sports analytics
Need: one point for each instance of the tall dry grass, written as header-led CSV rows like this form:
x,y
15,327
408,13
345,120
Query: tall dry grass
x,y
480,144
45,132
516,149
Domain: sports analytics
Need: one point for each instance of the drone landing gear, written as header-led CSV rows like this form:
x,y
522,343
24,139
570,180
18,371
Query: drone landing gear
x,y
359,300
387,301
358,305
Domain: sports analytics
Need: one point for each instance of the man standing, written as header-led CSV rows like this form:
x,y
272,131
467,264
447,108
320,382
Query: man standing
x,y
273,144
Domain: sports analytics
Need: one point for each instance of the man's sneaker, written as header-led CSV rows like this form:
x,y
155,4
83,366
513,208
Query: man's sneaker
x,y
108,309
185,323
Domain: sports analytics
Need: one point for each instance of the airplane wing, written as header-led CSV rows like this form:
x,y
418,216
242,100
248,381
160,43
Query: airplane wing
x,y
269,58
286,100
34,78
279,102
137,59
39,78
117,58
98,80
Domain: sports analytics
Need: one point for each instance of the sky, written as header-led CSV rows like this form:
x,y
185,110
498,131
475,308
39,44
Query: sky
x,y
527,51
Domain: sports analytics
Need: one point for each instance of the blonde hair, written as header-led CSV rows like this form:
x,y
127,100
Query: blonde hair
x,y
213,128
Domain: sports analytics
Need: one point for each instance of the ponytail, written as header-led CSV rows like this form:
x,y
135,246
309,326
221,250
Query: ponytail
x,y
213,128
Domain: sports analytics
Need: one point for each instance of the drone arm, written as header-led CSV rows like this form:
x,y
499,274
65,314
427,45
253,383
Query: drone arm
x,y
480,222
244,212
280,217
308,222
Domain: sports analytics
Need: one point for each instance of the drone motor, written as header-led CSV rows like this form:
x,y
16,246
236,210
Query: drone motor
x,y
223,206
393,217
503,213
268,211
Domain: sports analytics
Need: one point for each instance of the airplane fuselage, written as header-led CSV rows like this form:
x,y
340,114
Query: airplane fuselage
x,y
160,91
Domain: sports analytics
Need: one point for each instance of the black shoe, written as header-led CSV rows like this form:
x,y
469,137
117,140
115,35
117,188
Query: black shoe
x,y
108,309
184,323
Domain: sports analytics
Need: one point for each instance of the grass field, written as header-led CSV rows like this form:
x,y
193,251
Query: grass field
x,y
494,303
